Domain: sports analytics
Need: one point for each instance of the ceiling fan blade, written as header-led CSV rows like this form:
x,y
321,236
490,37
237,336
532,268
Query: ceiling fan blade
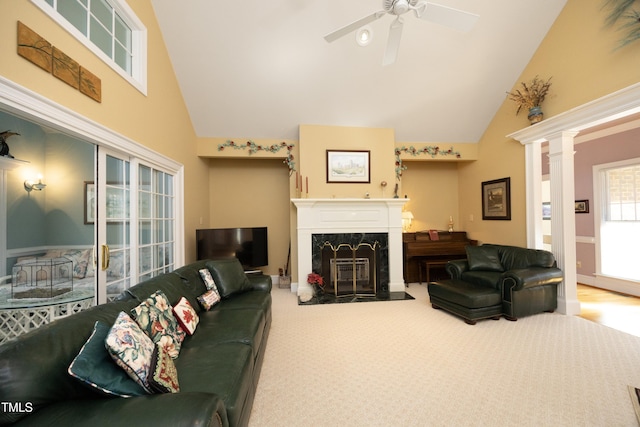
x,y
353,26
393,43
449,17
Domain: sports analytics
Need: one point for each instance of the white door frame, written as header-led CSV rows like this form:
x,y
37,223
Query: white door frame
x,y
32,106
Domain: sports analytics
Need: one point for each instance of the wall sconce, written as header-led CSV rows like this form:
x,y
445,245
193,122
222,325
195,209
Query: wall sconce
x,y
29,185
407,217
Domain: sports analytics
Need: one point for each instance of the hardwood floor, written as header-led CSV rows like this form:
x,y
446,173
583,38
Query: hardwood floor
x,y
612,309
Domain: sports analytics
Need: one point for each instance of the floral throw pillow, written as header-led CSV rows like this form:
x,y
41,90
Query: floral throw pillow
x,y
207,278
163,376
186,316
209,299
130,348
155,317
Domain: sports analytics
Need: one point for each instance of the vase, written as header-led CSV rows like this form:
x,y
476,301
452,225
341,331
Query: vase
x,y
318,290
535,115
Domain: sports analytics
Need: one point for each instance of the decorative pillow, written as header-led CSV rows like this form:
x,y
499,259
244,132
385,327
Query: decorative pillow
x,y
229,276
80,260
117,265
484,258
131,349
207,279
155,317
209,299
94,367
163,376
186,316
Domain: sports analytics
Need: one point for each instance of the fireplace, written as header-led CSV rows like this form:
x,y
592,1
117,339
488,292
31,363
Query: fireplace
x,y
353,222
352,264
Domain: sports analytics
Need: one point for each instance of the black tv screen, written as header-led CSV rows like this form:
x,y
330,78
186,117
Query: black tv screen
x,y
249,245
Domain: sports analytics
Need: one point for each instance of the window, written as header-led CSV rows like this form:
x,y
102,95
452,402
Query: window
x,y
109,28
617,187
623,193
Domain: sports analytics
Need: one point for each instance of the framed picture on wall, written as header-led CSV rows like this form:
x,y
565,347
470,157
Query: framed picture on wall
x,y
89,202
582,206
348,166
496,199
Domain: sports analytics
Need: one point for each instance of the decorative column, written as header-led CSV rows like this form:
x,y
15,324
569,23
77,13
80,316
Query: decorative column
x,y
563,221
533,160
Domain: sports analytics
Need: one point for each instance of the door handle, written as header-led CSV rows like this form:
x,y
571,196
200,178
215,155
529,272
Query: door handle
x,y
105,258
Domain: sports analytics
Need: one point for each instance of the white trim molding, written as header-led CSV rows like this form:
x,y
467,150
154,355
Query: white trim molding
x,y
560,131
32,106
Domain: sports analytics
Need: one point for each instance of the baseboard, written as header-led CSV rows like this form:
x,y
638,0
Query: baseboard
x,y
617,285
586,280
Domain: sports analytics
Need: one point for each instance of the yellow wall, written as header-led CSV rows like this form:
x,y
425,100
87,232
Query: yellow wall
x,y
432,188
315,140
159,120
252,192
579,52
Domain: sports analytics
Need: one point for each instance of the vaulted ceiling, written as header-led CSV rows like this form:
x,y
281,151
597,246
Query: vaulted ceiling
x,y
258,69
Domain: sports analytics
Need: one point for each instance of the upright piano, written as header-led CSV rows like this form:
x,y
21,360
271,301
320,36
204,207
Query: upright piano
x,y
425,253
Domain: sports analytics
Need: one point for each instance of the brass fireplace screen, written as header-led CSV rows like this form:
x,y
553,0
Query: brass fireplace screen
x,y
350,270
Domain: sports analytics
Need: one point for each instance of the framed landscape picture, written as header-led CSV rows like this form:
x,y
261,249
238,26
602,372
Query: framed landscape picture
x,y
496,199
348,166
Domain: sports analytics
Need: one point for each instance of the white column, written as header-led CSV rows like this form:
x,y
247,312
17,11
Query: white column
x,y
305,230
396,262
533,160
563,222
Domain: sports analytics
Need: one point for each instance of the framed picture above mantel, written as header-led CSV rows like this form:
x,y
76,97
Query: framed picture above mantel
x,y
496,199
349,166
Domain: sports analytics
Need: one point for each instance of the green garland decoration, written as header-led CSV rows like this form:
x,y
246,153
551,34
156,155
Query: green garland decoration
x,y
622,11
254,148
432,151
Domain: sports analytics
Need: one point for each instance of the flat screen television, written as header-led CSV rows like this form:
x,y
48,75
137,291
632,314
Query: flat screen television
x,y
248,244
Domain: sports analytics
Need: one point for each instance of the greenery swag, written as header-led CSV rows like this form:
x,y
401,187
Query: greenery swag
x,y
254,148
432,151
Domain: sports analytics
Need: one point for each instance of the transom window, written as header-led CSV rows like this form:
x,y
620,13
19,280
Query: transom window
x,y
109,28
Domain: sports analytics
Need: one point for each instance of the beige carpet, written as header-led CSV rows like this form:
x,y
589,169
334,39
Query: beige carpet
x,y
402,363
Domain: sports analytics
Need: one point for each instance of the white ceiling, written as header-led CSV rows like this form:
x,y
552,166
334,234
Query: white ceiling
x,y
258,69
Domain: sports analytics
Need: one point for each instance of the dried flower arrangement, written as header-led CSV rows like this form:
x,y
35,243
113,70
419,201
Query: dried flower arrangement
x,y
532,94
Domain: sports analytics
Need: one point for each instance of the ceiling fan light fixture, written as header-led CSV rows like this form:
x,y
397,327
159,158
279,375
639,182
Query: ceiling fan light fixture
x,y
364,36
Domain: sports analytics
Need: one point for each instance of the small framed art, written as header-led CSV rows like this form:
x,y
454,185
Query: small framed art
x,y
89,202
582,206
496,199
348,166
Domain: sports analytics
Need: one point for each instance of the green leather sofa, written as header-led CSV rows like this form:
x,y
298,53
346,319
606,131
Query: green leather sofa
x,y
218,366
498,280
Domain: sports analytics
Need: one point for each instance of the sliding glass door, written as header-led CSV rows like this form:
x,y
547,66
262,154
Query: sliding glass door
x,y
113,188
136,222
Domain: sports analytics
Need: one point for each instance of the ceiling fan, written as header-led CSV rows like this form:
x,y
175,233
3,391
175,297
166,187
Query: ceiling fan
x,y
454,18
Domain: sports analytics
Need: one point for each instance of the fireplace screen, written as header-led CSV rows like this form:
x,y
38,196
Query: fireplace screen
x,y
350,270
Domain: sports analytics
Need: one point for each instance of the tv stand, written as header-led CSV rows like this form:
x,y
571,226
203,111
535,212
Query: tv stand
x,y
253,272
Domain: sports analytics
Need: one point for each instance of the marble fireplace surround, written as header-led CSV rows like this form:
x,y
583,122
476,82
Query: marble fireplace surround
x,y
350,215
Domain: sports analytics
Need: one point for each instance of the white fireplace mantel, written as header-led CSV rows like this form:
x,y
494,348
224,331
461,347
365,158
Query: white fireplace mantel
x,y
350,215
